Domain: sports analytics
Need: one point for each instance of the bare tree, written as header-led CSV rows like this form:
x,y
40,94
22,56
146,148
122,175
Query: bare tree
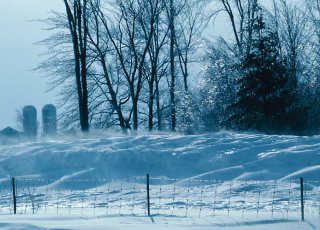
x,y
77,15
172,15
156,65
107,82
192,21
130,32
242,14
294,34
68,62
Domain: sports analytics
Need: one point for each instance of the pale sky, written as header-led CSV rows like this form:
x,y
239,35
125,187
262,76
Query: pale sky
x,y
19,85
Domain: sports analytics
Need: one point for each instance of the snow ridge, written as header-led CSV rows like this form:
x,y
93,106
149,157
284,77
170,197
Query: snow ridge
x,y
218,156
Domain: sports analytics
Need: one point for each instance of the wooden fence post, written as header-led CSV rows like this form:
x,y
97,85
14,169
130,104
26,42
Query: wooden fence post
x,y
302,201
148,193
14,195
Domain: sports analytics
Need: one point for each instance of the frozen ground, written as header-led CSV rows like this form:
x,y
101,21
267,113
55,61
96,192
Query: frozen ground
x,y
221,181
144,223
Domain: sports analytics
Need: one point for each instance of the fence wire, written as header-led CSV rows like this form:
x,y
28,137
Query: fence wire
x,y
169,197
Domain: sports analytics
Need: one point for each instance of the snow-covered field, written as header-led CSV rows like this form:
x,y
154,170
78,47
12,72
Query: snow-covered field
x,y
220,181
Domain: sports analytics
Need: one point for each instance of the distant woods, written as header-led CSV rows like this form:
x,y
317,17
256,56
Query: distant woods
x,y
159,65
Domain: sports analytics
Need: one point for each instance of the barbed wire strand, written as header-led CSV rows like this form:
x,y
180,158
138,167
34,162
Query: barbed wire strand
x,y
17,187
229,203
273,197
289,196
215,198
305,195
259,194
155,178
82,199
201,197
46,198
120,198
318,195
146,198
188,194
244,199
70,199
160,197
133,195
26,199
108,193
25,196
32,197
173,197
317,202
58,200
95,193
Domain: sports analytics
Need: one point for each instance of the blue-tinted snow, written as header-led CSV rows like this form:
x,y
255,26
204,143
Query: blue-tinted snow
x,y
218,156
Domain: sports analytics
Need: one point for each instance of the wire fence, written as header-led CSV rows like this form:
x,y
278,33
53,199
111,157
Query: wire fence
x,y
168,197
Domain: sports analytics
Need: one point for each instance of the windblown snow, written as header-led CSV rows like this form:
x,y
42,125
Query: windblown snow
x,y
219,156
255,186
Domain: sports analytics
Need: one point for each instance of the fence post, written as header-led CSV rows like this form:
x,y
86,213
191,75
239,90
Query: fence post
x,y
148,193
14,195
302,201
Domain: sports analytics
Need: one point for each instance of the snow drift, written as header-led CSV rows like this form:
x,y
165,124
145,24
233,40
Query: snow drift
x,y
218,156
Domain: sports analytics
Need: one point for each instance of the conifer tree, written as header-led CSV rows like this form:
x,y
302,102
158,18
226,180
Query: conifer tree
x,y
263,95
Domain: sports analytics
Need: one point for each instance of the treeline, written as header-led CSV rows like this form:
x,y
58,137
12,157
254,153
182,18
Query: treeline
x,y
157,65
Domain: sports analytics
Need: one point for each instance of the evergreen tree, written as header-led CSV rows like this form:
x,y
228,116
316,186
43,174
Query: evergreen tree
x,y
263,94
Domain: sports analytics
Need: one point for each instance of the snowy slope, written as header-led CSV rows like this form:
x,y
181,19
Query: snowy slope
x,y
221,156
120,204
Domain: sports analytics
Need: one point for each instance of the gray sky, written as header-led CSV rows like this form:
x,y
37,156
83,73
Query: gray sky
x,y
20,85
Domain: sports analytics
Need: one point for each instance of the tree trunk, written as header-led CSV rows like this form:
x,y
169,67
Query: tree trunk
x,y
158,105
151,99
172,86
135,114
79,41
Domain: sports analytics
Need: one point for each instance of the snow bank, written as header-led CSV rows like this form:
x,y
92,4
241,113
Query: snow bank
x,y
218,156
